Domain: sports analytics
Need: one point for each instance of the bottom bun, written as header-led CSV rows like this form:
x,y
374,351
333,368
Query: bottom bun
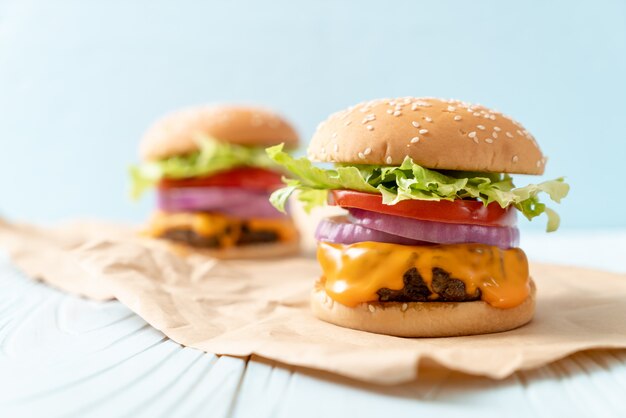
x,y
253,251
423,319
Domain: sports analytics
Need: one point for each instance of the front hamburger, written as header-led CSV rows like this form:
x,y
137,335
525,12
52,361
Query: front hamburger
x,y
213,180
428,247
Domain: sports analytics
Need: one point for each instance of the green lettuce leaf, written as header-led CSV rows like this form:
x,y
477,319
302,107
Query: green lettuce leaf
x,y
412,181
213,156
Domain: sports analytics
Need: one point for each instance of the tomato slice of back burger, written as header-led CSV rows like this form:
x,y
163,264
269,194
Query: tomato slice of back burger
x,y
469,212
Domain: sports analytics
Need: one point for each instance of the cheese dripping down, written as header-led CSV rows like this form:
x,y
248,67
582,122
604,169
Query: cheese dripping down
x,y
352,274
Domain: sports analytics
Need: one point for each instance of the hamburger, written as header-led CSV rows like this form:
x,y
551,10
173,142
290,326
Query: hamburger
x,y
428,246
213,179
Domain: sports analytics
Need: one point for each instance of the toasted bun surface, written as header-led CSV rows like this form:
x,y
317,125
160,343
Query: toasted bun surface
x,y
435,133
178,132
423,319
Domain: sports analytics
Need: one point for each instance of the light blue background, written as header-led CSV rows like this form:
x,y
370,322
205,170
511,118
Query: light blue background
x,y
80,81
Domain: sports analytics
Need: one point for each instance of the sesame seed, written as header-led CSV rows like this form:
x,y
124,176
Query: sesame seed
x,y
370,117
417,125
520,133
413,106
415,140
476,114
370,127
481,127
475,140
427,119
457,117
405,307
361,155
334,135
494,134
538,163
371,308
348,122
336,148
323,150
515,158
472,134
486,116
390,111
397,113
367,151
388,160
492,117
451,108
489,140
423,131
497,129
509,134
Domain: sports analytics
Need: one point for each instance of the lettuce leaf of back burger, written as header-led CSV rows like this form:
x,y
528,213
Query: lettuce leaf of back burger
x,y
212,157
412,181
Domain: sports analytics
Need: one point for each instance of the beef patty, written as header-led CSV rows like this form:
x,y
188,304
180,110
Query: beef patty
x,y
445,289
246,237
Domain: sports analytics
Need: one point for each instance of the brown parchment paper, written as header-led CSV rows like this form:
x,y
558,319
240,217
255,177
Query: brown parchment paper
x,y
261,307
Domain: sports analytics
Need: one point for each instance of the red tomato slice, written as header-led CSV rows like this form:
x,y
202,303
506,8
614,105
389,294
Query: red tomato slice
x,y
245,177
470,212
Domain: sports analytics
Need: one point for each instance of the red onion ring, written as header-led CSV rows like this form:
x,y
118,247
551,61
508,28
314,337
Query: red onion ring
x,y
339,230
436,232
234,201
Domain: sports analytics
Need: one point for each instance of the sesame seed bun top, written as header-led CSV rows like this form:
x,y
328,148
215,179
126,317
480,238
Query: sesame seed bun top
x,y
435,133
178,132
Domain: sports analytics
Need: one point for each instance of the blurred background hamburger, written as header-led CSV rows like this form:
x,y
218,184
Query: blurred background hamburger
x,y
213,180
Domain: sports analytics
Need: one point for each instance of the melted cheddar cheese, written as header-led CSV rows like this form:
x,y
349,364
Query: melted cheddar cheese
x,y
226,229
352,274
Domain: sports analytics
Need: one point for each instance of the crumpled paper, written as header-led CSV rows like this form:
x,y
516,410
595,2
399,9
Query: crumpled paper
x,y
241,308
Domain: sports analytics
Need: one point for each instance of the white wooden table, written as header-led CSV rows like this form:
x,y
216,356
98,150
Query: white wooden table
x,y
63,356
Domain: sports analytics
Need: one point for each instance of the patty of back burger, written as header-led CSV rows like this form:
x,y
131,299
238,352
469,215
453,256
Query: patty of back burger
x,y
428,246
